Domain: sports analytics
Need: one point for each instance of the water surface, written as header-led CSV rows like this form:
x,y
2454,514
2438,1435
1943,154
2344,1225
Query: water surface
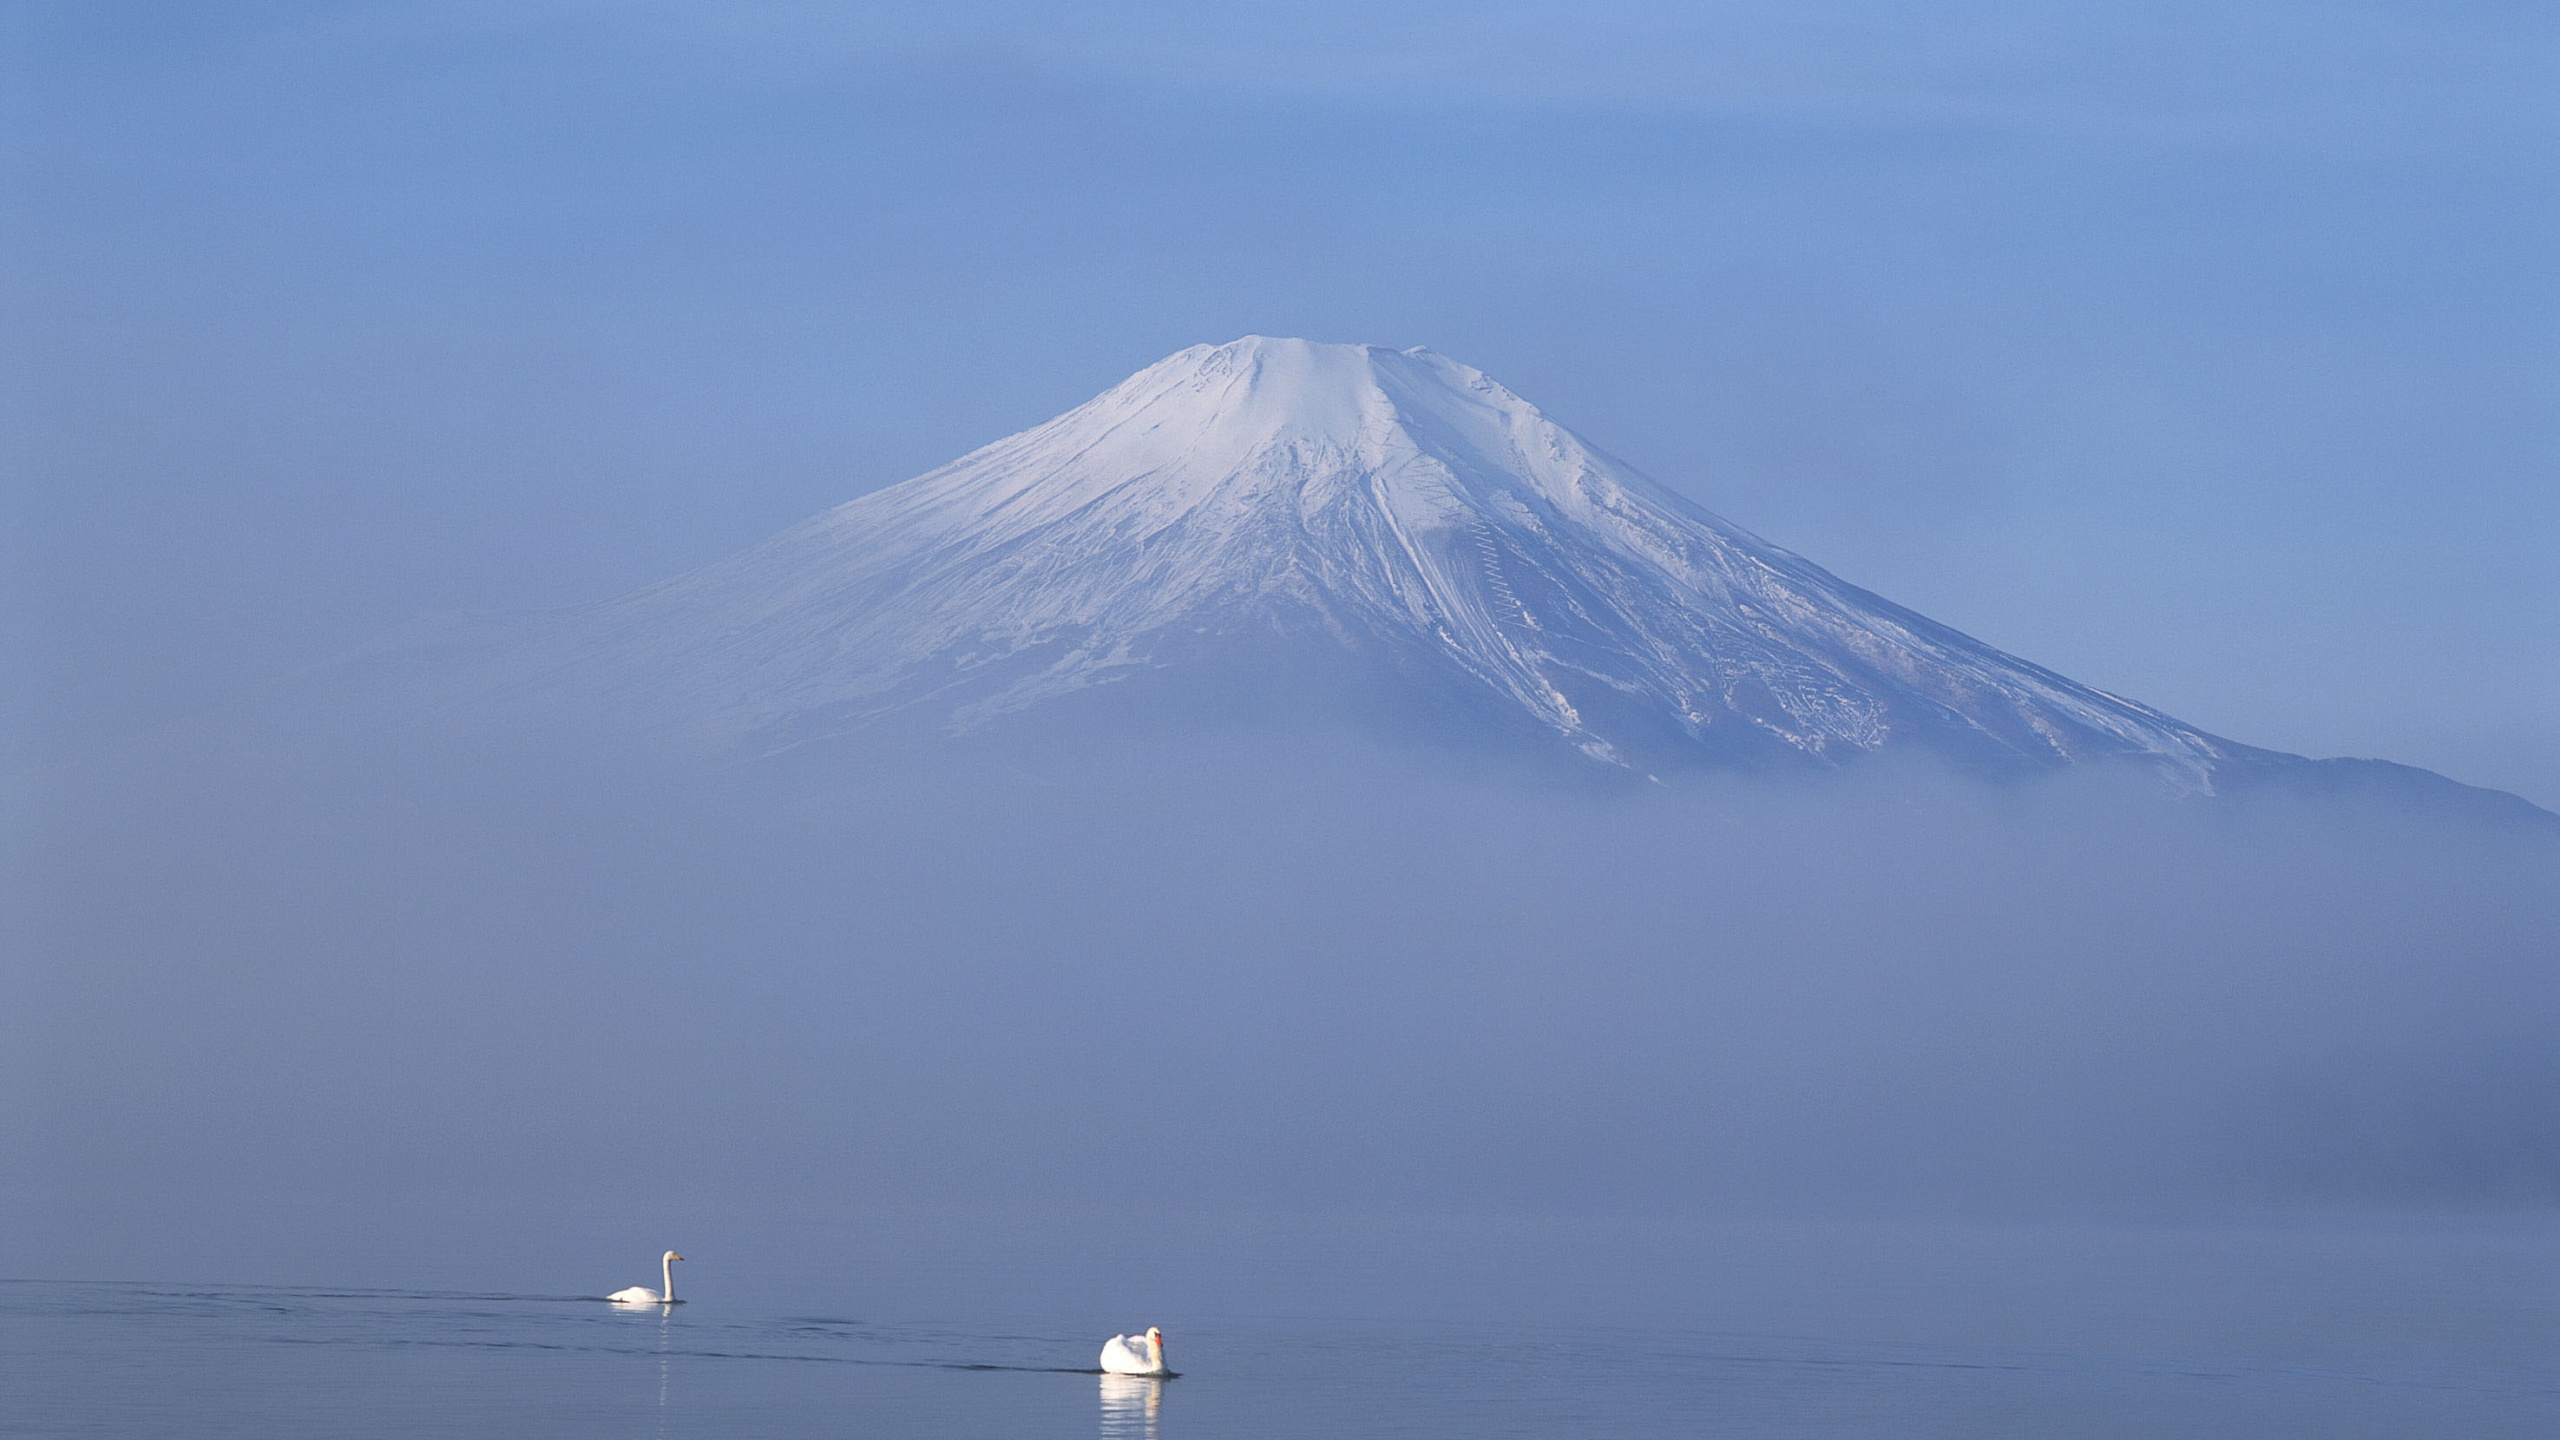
x,y
1796,1331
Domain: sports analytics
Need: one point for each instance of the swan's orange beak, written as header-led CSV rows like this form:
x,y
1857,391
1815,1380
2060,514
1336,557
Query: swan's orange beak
x,y
679,1257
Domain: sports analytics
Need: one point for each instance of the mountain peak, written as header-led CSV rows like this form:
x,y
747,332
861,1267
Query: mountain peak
x,y
1286,370
1260,391
1213,435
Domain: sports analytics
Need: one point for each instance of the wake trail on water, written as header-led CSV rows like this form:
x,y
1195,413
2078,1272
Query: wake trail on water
x,y
268,1298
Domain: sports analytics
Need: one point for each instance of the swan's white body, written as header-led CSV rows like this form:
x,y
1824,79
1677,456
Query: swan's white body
x,y
643,1295
1135,1354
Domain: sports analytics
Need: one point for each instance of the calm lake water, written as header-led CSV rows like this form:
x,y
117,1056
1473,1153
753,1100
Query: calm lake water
x,y
1912,1331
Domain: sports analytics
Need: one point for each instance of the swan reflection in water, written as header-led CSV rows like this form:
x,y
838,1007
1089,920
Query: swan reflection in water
x,y
666,1314
1129,1406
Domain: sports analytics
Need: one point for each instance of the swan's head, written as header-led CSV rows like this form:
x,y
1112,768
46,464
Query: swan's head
x,y
671,1255
1155,1336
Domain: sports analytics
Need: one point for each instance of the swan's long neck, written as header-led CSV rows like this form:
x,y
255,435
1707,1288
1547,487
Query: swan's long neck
x,y
667,1277
1155,1351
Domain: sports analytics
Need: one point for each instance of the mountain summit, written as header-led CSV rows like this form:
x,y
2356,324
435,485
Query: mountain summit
x,y
1270,524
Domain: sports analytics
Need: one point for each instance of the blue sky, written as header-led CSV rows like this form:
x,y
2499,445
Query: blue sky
x,y
2205,353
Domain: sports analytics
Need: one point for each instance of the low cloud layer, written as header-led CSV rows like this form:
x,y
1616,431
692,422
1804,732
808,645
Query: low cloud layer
x,y
1256,973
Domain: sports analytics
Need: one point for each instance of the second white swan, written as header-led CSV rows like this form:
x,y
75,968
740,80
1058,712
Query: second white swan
x,y
643,1295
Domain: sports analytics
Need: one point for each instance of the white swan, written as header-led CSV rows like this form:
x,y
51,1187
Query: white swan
x,y
643,1295
1135,1354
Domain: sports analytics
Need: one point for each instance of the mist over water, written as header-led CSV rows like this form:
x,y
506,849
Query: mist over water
x,y
292,988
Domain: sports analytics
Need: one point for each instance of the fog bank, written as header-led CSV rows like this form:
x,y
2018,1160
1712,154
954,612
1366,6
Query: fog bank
x,y
1248,974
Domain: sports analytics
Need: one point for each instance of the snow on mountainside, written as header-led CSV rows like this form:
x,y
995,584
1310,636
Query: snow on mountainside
x,y
1342,504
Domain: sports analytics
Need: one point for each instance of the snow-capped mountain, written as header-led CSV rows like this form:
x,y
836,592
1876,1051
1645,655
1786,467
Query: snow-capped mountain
x,y
1280,507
